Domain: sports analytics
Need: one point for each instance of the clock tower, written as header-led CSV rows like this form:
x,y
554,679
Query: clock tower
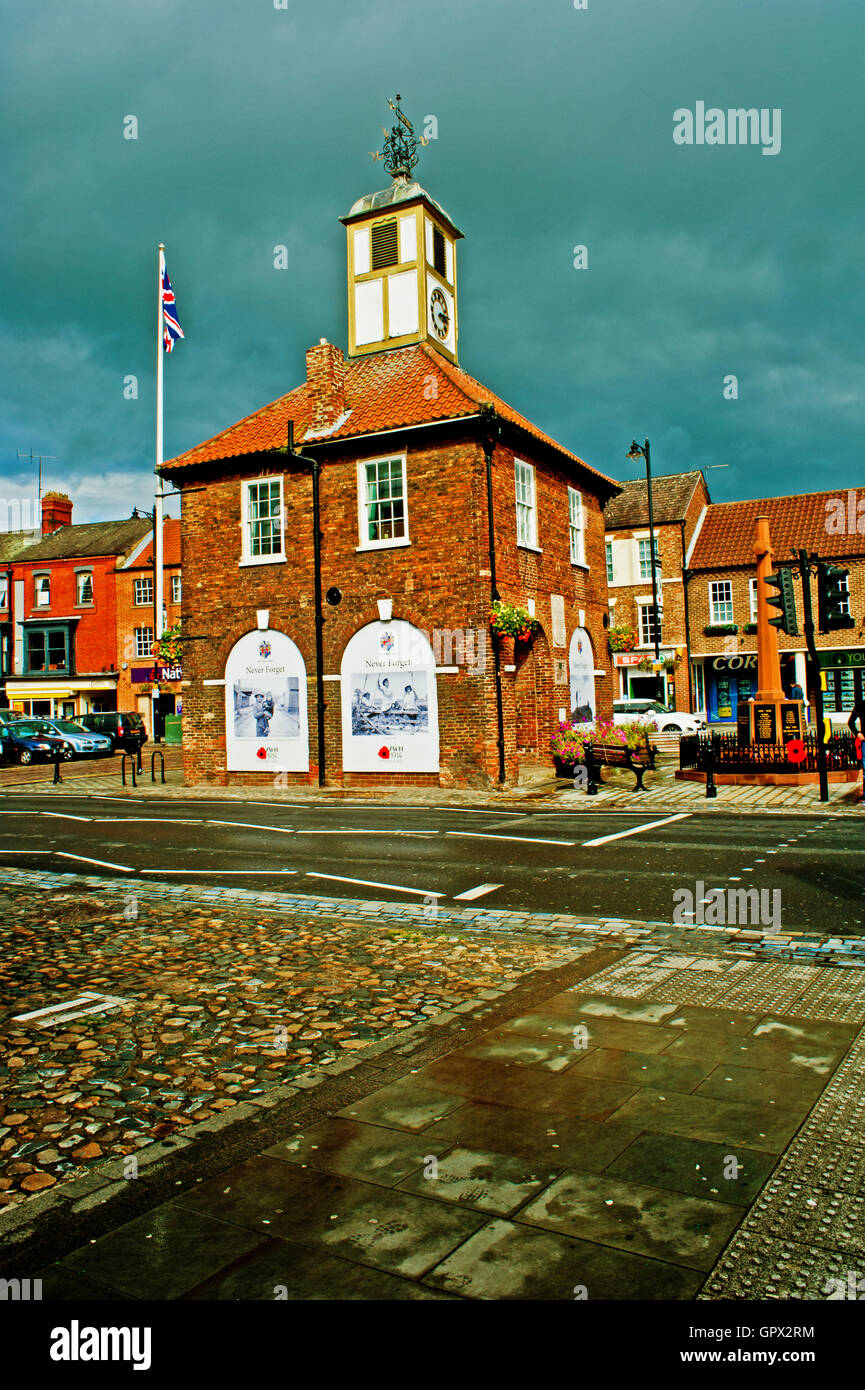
x,y
401,260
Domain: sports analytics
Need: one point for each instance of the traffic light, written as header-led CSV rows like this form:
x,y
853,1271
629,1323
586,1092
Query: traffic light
x,y
784,600
833,598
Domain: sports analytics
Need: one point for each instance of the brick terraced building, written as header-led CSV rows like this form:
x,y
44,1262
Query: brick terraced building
x,y
408,448
679,503
721,588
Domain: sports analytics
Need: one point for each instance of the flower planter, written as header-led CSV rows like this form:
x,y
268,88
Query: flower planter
x,y
507,647
565,769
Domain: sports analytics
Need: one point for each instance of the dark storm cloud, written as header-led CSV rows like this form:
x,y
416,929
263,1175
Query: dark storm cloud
x,y
555,129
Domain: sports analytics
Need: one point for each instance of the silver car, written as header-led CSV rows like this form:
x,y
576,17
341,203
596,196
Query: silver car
x,y
84,743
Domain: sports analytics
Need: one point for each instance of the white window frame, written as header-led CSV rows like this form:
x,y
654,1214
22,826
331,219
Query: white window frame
x,y
577,527
609,562
142,585
714,619
80,577
246,523
42,591
526,511
176,588
646,541
649,641
4,593
752,594
364,503
141,640
844,604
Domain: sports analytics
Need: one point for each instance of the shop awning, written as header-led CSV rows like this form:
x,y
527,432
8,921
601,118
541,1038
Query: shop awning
x,y
21,690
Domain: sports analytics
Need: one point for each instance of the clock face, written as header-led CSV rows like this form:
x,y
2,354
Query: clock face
x,y
439,313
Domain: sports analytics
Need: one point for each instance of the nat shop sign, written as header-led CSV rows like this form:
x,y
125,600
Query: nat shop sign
x,y
142,674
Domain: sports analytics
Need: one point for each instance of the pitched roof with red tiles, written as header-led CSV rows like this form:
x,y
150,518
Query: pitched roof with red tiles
x,y
797,522
170,547
407,386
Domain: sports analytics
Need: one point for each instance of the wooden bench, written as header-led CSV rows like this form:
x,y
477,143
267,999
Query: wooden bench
x,y
637,760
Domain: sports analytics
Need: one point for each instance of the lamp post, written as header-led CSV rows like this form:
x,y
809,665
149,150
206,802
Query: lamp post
x,y
642,451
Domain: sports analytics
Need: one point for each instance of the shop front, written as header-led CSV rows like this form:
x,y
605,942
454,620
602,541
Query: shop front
x,y
637,680
844,675
729,681
60,699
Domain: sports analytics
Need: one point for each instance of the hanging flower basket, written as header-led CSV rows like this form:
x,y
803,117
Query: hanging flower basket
x,y
508,620
621,639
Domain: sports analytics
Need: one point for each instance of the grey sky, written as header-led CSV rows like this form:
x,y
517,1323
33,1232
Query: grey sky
x,y
555,129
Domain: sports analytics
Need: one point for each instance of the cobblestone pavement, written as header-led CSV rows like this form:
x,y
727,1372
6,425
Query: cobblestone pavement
x,y
671,1125
212,998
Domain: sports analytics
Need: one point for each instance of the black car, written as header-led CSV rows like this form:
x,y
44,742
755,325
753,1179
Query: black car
x,y
126,731
25,742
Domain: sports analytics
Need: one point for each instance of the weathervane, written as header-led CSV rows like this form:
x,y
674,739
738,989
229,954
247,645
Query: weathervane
x,y
400,145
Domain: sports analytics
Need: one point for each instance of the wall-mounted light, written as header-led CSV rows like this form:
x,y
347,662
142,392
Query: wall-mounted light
x,y
262,617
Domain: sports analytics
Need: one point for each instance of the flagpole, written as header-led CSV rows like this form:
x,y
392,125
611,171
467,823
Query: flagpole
x,y
157,528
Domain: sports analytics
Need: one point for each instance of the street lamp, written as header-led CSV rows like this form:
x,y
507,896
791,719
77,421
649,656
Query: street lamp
x,y
642,451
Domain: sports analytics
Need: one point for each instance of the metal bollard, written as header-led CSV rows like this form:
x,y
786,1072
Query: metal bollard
x,y
57,777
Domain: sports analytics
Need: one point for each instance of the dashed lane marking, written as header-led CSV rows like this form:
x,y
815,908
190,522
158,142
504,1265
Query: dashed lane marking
x,y
637,829
372,883
479,892
103,863
523,839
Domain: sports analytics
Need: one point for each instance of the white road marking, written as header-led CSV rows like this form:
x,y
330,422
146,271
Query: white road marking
x,y
471,893
245,825
424,834
218,871
465,811
523,839
371,883
60,815
64,1013
637,829
103,863
152,820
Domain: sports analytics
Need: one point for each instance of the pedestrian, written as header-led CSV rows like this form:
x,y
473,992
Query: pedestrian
x,y
796,692
857,716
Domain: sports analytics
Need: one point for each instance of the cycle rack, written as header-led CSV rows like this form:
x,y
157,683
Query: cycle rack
x,y
153,756
131,757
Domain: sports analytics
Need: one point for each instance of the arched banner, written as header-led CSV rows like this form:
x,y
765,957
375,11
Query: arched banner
x,y
265,705
389,703
581,668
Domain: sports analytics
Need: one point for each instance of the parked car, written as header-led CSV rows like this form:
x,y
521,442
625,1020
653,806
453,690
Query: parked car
x,y
126,730
667,720
25,742
85,743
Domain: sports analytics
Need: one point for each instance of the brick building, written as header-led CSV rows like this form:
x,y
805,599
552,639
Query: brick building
x,y
62,617
679,503
150,689
407,447
721,589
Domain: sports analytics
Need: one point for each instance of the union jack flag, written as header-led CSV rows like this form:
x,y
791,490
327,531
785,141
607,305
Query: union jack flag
x,y
171,326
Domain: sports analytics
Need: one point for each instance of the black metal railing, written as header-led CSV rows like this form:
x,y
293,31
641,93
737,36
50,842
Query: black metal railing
x,y
724,753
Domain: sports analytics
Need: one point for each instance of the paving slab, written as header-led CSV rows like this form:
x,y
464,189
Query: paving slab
x,y
478,1079
696,1167
490,1182
281,1270
665,1225
403,1105
552,1139
506,1261
700,1117
369,1152
382,1227
162,1254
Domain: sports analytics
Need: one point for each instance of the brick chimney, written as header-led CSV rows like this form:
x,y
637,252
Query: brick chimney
x,y
325,377
56,512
